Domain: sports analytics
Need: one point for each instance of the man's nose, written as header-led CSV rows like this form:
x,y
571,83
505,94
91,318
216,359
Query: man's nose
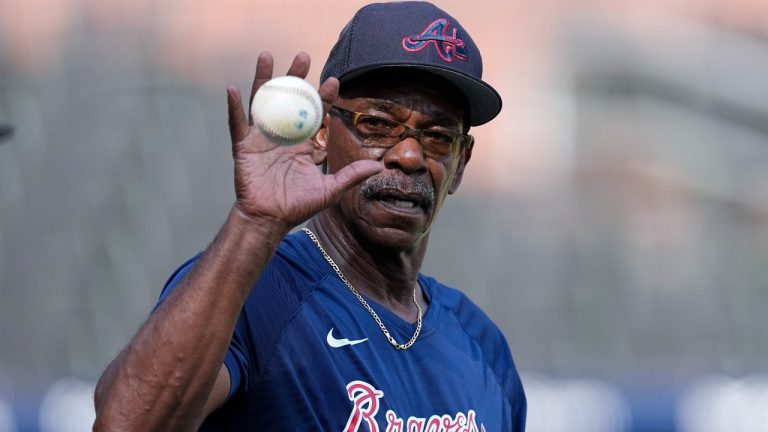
x,y
407,155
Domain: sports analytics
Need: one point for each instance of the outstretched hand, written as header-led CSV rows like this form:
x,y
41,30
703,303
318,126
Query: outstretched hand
x,y
283,183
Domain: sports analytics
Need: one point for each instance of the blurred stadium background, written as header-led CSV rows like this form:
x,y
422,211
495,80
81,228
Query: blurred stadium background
x,y
613,221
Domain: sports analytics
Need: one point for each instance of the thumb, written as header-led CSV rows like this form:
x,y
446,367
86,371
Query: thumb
x,y
351,175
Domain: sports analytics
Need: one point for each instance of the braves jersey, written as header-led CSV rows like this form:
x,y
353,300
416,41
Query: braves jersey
x,y
307,356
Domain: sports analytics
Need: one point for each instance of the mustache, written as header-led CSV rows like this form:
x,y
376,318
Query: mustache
x,y
374,187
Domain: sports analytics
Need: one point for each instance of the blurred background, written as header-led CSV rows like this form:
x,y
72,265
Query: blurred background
x,y
613,221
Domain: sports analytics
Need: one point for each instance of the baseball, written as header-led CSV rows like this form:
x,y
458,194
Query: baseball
x,y
287,109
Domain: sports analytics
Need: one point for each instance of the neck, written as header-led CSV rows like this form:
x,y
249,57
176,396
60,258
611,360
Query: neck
x,y
386,275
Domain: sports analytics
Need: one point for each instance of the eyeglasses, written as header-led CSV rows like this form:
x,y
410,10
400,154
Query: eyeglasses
x,y
381,132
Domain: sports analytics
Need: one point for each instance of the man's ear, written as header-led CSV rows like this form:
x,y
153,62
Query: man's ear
x,y
319,143
466,154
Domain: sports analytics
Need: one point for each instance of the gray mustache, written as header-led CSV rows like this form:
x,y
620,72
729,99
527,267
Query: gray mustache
x,y
373,186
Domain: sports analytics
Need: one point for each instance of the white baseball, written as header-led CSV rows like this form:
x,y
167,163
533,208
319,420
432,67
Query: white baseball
x,y
287,109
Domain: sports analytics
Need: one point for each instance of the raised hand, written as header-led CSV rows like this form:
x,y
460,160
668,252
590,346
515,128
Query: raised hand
x,y
283,183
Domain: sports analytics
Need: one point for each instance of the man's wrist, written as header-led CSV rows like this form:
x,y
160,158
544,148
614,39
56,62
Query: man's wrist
x,y
264,228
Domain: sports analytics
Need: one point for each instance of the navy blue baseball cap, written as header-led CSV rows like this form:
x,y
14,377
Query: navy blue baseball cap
x,y
419,35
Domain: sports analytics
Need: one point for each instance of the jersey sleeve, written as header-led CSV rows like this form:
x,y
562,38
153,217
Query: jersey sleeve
x,y
495,349
511,383
498,356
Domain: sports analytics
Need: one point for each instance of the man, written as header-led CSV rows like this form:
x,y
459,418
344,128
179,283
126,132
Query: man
x,y
333,328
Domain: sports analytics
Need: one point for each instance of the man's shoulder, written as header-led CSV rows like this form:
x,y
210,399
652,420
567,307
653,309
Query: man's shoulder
x,y
292,268
293,263
296,248
470,316
454,300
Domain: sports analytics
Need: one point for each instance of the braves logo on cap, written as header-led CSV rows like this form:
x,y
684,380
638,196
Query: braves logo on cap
x,y
448,46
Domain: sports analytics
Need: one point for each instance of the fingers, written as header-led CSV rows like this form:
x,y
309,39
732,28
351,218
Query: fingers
x,y
329,91
300,65
238,125
265,67
352,174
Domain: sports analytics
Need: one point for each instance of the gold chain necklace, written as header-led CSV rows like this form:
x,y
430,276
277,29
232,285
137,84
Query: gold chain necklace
x,y
373,313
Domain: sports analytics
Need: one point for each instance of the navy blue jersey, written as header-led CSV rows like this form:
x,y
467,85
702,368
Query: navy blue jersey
x,y
307,356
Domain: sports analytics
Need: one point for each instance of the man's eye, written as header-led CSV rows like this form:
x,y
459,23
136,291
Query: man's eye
x,y
437,137
375,124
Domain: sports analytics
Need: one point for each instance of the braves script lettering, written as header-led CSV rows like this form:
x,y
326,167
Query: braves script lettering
x,y
365,406
448,46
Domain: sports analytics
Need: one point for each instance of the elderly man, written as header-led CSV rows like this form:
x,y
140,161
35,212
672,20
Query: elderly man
x,y
333,327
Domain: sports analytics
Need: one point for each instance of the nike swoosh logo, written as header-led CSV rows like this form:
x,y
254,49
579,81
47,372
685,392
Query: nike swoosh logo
x,y
338,343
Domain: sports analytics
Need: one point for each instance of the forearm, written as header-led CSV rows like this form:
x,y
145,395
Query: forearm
x,y
162,380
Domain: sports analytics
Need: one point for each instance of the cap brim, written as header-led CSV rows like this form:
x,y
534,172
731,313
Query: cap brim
x,y
484,101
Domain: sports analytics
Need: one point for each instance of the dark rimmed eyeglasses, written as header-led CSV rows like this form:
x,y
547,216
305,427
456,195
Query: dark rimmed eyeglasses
x,y
381,132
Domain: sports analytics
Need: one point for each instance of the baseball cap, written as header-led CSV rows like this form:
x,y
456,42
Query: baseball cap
x,y
419,35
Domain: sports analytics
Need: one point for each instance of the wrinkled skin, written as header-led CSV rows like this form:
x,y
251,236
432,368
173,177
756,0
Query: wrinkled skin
x,y
419,101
